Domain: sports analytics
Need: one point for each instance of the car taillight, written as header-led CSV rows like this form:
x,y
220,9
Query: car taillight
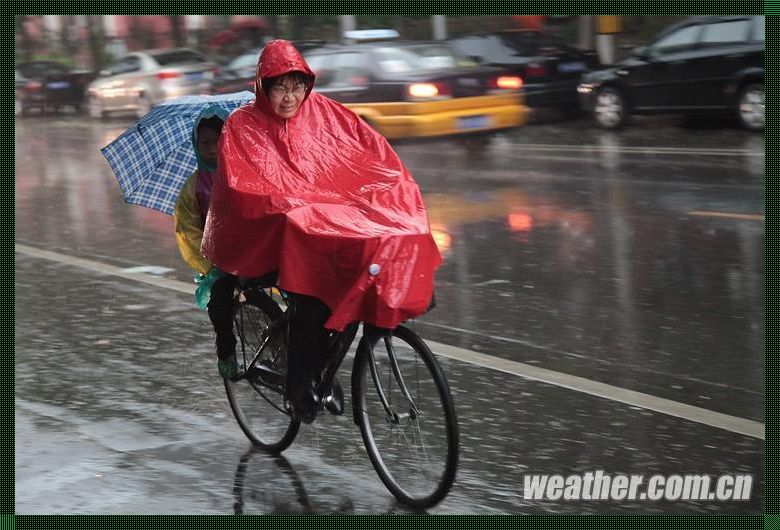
x,y
508,82
167,75
428,90
535,70
33,85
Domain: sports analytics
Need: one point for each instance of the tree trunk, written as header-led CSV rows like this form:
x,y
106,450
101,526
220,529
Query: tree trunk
x,y
26,45
95,35
176,30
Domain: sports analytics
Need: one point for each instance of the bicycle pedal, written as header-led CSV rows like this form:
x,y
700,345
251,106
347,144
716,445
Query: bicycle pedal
x,y
334,402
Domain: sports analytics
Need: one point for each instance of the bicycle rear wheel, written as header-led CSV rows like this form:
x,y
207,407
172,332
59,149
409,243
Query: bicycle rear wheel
x,y
411,438
257,394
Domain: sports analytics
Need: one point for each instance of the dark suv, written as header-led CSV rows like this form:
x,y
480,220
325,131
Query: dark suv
x,y
549,68
703,64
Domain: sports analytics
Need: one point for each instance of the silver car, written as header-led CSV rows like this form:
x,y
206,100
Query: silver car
x,y
140,80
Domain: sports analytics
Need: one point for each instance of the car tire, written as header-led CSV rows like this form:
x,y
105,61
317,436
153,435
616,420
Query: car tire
x,y
750,106
95,108
610,109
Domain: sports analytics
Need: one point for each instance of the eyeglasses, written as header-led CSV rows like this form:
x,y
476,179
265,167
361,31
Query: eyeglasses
x,y
281,91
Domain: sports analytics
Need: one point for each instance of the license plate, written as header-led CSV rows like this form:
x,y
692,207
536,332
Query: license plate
x,y
58,85
567,68
193,76
473,122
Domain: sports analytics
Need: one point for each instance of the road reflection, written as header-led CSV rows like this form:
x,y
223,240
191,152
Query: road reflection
x,y
270,484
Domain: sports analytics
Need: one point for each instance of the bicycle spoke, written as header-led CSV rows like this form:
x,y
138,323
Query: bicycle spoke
x,y
257,395
408,423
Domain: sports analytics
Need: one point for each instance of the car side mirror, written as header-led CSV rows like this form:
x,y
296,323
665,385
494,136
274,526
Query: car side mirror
x,y
644,52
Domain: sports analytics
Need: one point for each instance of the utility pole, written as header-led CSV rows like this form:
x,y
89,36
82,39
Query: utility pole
x,y
606,28
347,23
439,27
585,33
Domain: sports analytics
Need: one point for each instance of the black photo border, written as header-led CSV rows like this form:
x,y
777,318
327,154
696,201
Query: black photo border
x,y
771,516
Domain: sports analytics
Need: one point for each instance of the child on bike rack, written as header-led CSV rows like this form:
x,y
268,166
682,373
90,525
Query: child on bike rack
x,y
189,221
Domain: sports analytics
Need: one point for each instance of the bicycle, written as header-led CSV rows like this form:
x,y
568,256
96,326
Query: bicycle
x,y
401,400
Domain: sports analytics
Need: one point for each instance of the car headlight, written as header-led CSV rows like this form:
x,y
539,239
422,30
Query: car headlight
x,y
585,88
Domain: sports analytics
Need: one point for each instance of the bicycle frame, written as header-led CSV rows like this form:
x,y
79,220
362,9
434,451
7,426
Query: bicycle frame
x,y
338,351
266,339
391,415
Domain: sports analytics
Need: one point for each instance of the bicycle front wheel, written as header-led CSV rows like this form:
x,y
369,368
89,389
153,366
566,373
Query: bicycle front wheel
x,y
406,416
257,394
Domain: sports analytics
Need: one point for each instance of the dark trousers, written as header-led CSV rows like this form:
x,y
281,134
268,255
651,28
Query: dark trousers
x,y
308,347
221,314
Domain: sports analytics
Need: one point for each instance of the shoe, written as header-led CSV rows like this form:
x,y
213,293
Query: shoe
x,y
334,402
305,403
228,368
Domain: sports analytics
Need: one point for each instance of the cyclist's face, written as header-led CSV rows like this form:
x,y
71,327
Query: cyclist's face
x,y
207,145
286,97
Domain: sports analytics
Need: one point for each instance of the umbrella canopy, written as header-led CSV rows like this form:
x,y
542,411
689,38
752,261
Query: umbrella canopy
x,y
153,159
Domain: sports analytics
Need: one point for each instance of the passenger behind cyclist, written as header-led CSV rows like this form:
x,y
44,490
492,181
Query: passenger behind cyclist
x,y
189,220
307,189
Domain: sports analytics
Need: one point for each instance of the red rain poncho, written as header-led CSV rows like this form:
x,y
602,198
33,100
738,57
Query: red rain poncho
x,y
323,199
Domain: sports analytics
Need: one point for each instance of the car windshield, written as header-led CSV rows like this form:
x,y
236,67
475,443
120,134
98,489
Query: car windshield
x,y
41,69
759,31
175,57
396,60
531,43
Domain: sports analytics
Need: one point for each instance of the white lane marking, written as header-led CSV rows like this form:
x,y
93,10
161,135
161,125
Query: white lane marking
x,y
105,268
526,343
579,384
747,427
729,215
149,269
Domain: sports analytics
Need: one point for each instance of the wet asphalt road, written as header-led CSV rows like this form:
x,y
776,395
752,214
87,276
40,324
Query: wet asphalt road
x,y
633,259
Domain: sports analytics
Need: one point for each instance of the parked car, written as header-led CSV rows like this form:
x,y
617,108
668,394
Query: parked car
x,y
703,64
48,85
140,80
417,89
549,68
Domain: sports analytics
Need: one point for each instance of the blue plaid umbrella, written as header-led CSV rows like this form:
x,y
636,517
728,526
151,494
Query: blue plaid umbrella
x,y
153,159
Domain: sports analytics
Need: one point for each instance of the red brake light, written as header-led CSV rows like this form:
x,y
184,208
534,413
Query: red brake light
x,y
167,75
509,82
535,70
33,85
520,222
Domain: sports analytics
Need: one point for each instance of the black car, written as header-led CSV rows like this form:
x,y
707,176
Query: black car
x,y
703,64
48,85
549,68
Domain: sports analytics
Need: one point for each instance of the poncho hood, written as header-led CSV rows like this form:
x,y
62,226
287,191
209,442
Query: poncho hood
x,y
279,57
323,199
209,111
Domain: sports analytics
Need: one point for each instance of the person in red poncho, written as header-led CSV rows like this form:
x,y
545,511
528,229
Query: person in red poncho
x,y
307,190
